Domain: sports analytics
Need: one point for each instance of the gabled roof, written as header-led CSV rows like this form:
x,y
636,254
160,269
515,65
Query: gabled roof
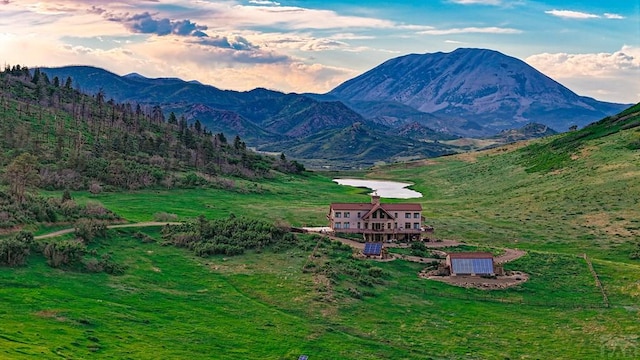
x,y
376,207
368,206
470,255
356,206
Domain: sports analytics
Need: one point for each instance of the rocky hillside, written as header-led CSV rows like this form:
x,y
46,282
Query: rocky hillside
x,y
481,86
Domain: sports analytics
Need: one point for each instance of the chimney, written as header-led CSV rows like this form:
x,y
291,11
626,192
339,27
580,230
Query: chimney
x,y
375,198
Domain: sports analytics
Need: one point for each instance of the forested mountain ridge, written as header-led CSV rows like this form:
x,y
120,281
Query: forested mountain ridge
x,y
80,141
265,119
260,116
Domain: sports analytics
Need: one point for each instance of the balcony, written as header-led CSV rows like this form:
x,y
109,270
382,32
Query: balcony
x,y
380,231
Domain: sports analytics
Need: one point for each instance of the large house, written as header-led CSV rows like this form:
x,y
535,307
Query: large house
x,y
377,221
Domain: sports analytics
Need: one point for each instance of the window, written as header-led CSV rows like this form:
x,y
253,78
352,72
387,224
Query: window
x,y
407,215
381,215
347,214
347,225
416,226
359,215
416,215
338,214
396,215
375,215
388,225
358,225
407,225
338,225
366,225
395,225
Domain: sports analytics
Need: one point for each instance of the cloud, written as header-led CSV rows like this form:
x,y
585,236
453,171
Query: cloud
x,y
227,42
613,16
144,23
291,18
264,2
469,30
323,44
613,75
96,10
569,14
351,36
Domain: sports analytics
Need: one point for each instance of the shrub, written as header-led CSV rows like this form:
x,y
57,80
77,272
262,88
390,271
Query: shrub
x,y
88,229
163,216
14,250
95,188
144,237
231,236
65,252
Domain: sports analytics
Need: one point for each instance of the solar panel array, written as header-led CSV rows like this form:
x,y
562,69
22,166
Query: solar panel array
x,y
472,266
372,248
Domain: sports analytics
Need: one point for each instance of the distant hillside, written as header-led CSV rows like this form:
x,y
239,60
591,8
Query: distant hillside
x,y
485,87
558,153
259,115
265,119
361,145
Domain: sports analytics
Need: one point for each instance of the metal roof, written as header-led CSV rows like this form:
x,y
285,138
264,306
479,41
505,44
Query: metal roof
x,y
367,206
470,255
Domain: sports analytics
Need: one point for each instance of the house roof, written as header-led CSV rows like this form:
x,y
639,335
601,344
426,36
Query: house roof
x,y
368,206
470,255
374,208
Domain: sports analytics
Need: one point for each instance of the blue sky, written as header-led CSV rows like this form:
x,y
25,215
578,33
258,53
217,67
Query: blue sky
x,y
592,47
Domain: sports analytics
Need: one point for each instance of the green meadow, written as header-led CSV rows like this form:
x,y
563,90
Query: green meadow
x,y
315,299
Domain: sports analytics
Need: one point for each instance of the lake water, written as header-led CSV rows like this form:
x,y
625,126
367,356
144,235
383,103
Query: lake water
x,y
384,188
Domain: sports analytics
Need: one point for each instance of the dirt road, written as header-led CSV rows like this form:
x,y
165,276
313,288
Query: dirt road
x,y
116,226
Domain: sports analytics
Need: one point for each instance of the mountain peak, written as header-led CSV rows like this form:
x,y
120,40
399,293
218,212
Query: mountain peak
x,y
482,85
134,75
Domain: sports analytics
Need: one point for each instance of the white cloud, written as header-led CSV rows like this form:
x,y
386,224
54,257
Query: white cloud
x,y
606,76
351,36
290,18
570,14
469,30
323,44
264,2
613,16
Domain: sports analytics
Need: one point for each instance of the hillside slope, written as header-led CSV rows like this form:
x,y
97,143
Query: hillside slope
x,y
490,88
573,192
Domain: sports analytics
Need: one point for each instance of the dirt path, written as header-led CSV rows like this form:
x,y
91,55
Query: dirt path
x,y
116,226
510,255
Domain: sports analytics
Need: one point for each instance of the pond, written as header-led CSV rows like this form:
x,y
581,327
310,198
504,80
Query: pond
x,y
384,188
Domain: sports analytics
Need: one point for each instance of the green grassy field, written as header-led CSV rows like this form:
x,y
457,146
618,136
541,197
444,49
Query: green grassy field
x,y
170,304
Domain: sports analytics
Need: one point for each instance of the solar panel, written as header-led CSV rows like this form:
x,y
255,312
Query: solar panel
x,y
472,266
372,248
482,266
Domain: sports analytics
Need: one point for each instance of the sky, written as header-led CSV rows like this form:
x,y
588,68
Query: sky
x,y
592,47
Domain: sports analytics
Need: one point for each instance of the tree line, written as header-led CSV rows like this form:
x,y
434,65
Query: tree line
x,y
54,136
